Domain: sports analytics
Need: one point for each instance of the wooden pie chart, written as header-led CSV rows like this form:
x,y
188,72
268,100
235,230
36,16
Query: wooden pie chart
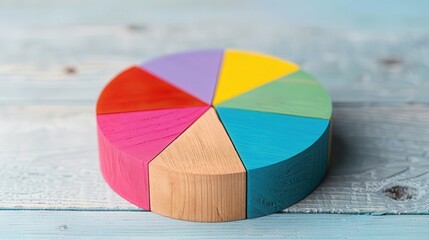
x,y
214,135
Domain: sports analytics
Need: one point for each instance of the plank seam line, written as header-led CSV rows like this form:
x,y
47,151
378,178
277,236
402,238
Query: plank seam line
x,y
374,214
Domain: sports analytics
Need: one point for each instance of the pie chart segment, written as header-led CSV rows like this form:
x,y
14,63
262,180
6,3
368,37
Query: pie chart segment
x,y
294,179
199,176
195,72
271,147
136,138
136,89
243,71
297,94
123,173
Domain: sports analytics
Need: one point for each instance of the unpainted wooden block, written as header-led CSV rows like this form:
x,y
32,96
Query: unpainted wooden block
x,y
199,177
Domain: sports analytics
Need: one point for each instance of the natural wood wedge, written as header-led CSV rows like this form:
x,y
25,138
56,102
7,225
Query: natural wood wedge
x,y
199,177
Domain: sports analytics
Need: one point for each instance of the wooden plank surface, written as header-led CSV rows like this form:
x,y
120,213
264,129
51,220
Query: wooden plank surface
x,y
56,56
66,52
375,148
137,225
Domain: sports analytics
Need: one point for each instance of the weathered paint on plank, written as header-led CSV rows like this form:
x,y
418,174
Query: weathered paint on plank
x,y
66,52
374,148
146,225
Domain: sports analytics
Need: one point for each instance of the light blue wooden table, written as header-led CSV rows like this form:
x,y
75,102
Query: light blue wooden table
x,y
373,57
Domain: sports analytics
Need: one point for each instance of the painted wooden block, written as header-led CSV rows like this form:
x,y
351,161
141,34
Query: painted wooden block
x,y
297,94
164,149
195,72
243,71
285,156
199,177
129,141
136,89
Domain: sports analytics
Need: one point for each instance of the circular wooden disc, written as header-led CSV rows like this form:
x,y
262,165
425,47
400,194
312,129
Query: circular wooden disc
x,y
214,135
